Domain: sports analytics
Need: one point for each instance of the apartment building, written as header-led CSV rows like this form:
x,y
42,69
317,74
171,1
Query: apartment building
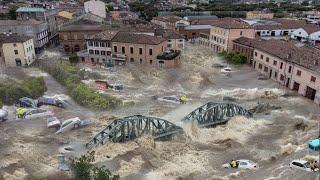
x,y
224,31
138,48
38,30
16,50
41,14
297,68
175,40
73,36
99,47
96,7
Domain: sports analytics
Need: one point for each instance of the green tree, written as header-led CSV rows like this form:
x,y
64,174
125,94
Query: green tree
x,y
84,169
73,59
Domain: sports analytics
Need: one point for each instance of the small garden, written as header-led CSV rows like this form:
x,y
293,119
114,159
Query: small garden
x,y
70,76
234,57
10,93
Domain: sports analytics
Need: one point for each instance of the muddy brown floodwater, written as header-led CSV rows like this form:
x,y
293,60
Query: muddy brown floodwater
x,y
272,138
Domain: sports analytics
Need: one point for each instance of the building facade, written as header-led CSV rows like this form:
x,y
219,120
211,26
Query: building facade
x,y
223,32
293,67
137,48
167,22
38,30
16,50
175,40
259,15
309,33
96,7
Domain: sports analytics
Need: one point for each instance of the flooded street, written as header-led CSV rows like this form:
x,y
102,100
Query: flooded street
x,y
272,138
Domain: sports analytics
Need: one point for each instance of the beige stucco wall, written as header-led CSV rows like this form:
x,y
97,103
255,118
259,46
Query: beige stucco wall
x,y
26,53
176,44
236,33
259,15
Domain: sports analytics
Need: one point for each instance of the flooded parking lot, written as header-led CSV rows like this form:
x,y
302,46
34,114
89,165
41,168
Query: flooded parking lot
x,y
272,138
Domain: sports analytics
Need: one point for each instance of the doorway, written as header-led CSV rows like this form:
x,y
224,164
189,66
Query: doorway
x,y
288,82
310,93
270,74
296,86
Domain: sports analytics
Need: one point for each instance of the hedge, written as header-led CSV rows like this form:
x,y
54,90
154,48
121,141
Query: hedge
x,y
70,77
33,87
234,57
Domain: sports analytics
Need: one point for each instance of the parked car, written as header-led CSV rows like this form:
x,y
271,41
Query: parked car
x,y
72,124
243,164
301,164
3,115
26,102
37,112
170,99
50,101
53,122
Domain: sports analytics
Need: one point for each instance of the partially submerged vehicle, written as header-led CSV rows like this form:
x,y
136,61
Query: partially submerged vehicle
x,y
314,144
26,102
53,122
72,123
170,99
3,115
242,164
50,101
217,65
303,165
36,113
226,71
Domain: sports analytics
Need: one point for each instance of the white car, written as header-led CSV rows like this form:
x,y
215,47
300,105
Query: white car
x,y
170,99
36,113
72,124
53,122
226,70
301,164
243,164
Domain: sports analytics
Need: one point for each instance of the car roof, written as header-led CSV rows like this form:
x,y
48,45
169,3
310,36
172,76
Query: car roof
x,y
300,161
315,142
72,119
244,160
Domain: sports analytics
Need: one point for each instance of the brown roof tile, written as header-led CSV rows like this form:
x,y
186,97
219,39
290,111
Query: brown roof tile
x,y
104,36
137,38
13,38
229,23
171,19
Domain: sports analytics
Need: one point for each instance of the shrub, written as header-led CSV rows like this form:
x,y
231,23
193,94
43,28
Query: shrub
x,y
84,169
73,59
234,57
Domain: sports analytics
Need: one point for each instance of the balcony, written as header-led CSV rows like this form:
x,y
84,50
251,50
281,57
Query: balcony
x,y
119,57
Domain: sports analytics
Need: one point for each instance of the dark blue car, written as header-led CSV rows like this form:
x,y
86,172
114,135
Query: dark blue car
x,y
26,102
50,101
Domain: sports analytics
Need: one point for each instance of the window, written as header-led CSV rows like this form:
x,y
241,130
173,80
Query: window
x,y
131,50
240,33
275,74
298,73
260,66
275,63
115,48
90,51
123,50
103,52
140,61
140,50
90,43
255,54
261,56
108,53
96,52
131,60
103,44
96,44
150,61
297,164
313,79
281,65
16,52
265,69
150,52
289,69
267,59
169,45
282,77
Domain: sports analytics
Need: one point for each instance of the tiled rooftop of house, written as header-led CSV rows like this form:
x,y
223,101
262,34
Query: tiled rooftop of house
x,y
286,50
13,38
311,28
19,22
171,19
104,36
229,23
137,38
83,25
168,34
277,24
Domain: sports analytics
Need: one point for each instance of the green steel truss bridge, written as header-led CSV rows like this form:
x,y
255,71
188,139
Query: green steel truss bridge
x,y
131,127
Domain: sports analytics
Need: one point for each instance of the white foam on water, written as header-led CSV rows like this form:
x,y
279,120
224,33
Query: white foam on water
x,y
245,94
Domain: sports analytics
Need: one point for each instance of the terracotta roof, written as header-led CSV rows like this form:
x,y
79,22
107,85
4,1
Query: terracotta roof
x,y
104,36
282,24
136,38
286,50
13,38
229,23
311,28
20,22
83,25
168,34
171,19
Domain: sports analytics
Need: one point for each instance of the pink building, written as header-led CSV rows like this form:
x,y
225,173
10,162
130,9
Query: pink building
x,y
297,68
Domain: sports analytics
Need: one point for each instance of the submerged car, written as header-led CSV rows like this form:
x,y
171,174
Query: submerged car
x,y
314,145
26,102
72,124
53,122
243,164
36,113
3,115
170,99
50,101
302,165
226,71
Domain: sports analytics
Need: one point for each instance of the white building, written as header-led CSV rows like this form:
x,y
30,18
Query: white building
x,y
310,33
96,7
